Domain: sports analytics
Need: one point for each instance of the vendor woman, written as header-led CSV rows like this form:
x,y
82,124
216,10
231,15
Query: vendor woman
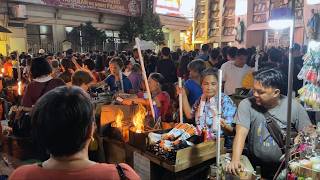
x,y
160,98
116,81
205,109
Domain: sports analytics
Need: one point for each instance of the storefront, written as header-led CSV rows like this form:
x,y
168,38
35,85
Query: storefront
x,y
42,24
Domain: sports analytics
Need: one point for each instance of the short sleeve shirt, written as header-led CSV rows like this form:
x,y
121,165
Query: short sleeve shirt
x,y
260,142
194,90
205,113
116,86
34,89
97,171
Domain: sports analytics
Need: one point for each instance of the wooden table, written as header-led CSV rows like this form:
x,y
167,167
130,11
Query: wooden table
x,y
117,151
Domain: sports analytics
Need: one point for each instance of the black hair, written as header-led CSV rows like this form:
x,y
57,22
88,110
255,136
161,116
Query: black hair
x,y
66,76
205,47
158,77
272,78
183,66
232,52
81,77
165,51
175,56
209,72
275,55
55,64
118,61
296,47
99,63
61,120
112,53
90,64
242,52
40,67
224,51
214,54
66,64
197,65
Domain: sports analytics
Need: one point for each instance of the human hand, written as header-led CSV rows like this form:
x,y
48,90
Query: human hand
x,y
180,90
235,167
223,123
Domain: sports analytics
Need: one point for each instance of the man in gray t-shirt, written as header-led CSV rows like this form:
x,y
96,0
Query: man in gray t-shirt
x,y
251,123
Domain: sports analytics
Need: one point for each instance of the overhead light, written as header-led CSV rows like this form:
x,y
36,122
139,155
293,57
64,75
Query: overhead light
x,y
281,23
69,29
281,18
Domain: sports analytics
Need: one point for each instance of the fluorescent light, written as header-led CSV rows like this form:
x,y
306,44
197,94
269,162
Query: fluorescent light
x,y
280,24
69,29
313,2
241,7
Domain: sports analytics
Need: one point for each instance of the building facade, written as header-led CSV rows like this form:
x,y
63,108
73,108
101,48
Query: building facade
x,y
244,23
45,24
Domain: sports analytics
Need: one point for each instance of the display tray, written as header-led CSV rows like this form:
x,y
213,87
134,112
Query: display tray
x,y
186,157
304,171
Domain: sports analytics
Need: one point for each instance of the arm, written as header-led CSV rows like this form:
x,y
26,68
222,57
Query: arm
x,y
237,148
228,129
131,101
185,105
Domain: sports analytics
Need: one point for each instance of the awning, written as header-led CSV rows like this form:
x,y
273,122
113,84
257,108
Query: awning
x,y
265,26
258,26
4,30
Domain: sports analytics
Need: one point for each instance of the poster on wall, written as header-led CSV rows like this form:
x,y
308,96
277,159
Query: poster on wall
x,y
177,8
122,7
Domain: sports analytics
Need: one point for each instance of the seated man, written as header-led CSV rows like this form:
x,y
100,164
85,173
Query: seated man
x,y
264,150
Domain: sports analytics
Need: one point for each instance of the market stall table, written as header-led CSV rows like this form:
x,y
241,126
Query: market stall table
x,y
190,162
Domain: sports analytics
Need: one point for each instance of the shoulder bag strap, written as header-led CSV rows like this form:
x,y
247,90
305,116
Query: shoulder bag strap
x,y
121,173
275,130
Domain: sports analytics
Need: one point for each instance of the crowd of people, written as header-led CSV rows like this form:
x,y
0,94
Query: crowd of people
x,y
67,136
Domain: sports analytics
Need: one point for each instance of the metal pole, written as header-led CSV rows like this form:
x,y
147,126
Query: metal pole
x,y
218,124
290,82
81,47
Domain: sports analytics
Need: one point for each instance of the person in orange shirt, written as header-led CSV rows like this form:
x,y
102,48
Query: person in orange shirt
x,y
63,124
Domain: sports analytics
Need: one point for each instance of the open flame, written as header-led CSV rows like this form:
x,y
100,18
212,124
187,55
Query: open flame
x,y
119,118
2,72
139,117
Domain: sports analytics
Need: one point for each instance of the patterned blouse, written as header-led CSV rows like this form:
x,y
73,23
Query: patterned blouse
x,y
205,113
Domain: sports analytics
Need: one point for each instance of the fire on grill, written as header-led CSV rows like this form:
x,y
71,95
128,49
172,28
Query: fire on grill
x,y
125,120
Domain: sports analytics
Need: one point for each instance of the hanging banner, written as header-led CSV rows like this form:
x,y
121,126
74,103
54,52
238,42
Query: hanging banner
x,y
123,7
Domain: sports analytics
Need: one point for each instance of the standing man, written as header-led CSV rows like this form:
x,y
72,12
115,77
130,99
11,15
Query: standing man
x,y
204,54
234,71
166,66
251,123
135,57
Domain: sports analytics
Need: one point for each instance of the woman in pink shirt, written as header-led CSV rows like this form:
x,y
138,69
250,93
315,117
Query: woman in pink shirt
x,y
63,124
